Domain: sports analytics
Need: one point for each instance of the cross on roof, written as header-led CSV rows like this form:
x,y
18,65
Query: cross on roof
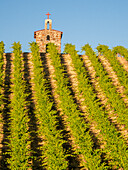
x,y
48,15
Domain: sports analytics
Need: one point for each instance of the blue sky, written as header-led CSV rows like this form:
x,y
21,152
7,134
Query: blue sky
x,y
81,21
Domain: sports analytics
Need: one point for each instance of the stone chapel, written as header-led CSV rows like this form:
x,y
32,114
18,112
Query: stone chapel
x,y
44,36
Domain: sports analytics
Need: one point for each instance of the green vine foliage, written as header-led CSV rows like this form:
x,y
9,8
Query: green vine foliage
x,y
102,48
1,62
1,80
120,50
19,136
114,141
106,83
52,150
117,67
114,155
77,124
1,70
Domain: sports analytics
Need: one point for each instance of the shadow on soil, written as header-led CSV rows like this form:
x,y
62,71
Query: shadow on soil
x,y
6,112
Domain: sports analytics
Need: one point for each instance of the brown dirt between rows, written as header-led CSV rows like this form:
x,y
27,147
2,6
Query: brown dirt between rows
x,y
69,142
124,62
120,90
67,61
101,95
114,77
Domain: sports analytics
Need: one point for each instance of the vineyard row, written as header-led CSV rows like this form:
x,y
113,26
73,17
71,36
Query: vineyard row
x,y
46,123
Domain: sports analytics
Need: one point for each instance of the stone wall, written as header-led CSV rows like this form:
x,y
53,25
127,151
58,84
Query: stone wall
x,y
43,40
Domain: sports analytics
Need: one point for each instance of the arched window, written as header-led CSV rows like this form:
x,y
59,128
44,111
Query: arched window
x,y
48,38
48,25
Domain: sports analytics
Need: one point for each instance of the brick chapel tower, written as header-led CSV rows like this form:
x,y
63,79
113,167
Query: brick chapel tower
x,y
44,36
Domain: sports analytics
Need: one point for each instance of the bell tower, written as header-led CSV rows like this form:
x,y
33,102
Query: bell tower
x,y
43,37
48,23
